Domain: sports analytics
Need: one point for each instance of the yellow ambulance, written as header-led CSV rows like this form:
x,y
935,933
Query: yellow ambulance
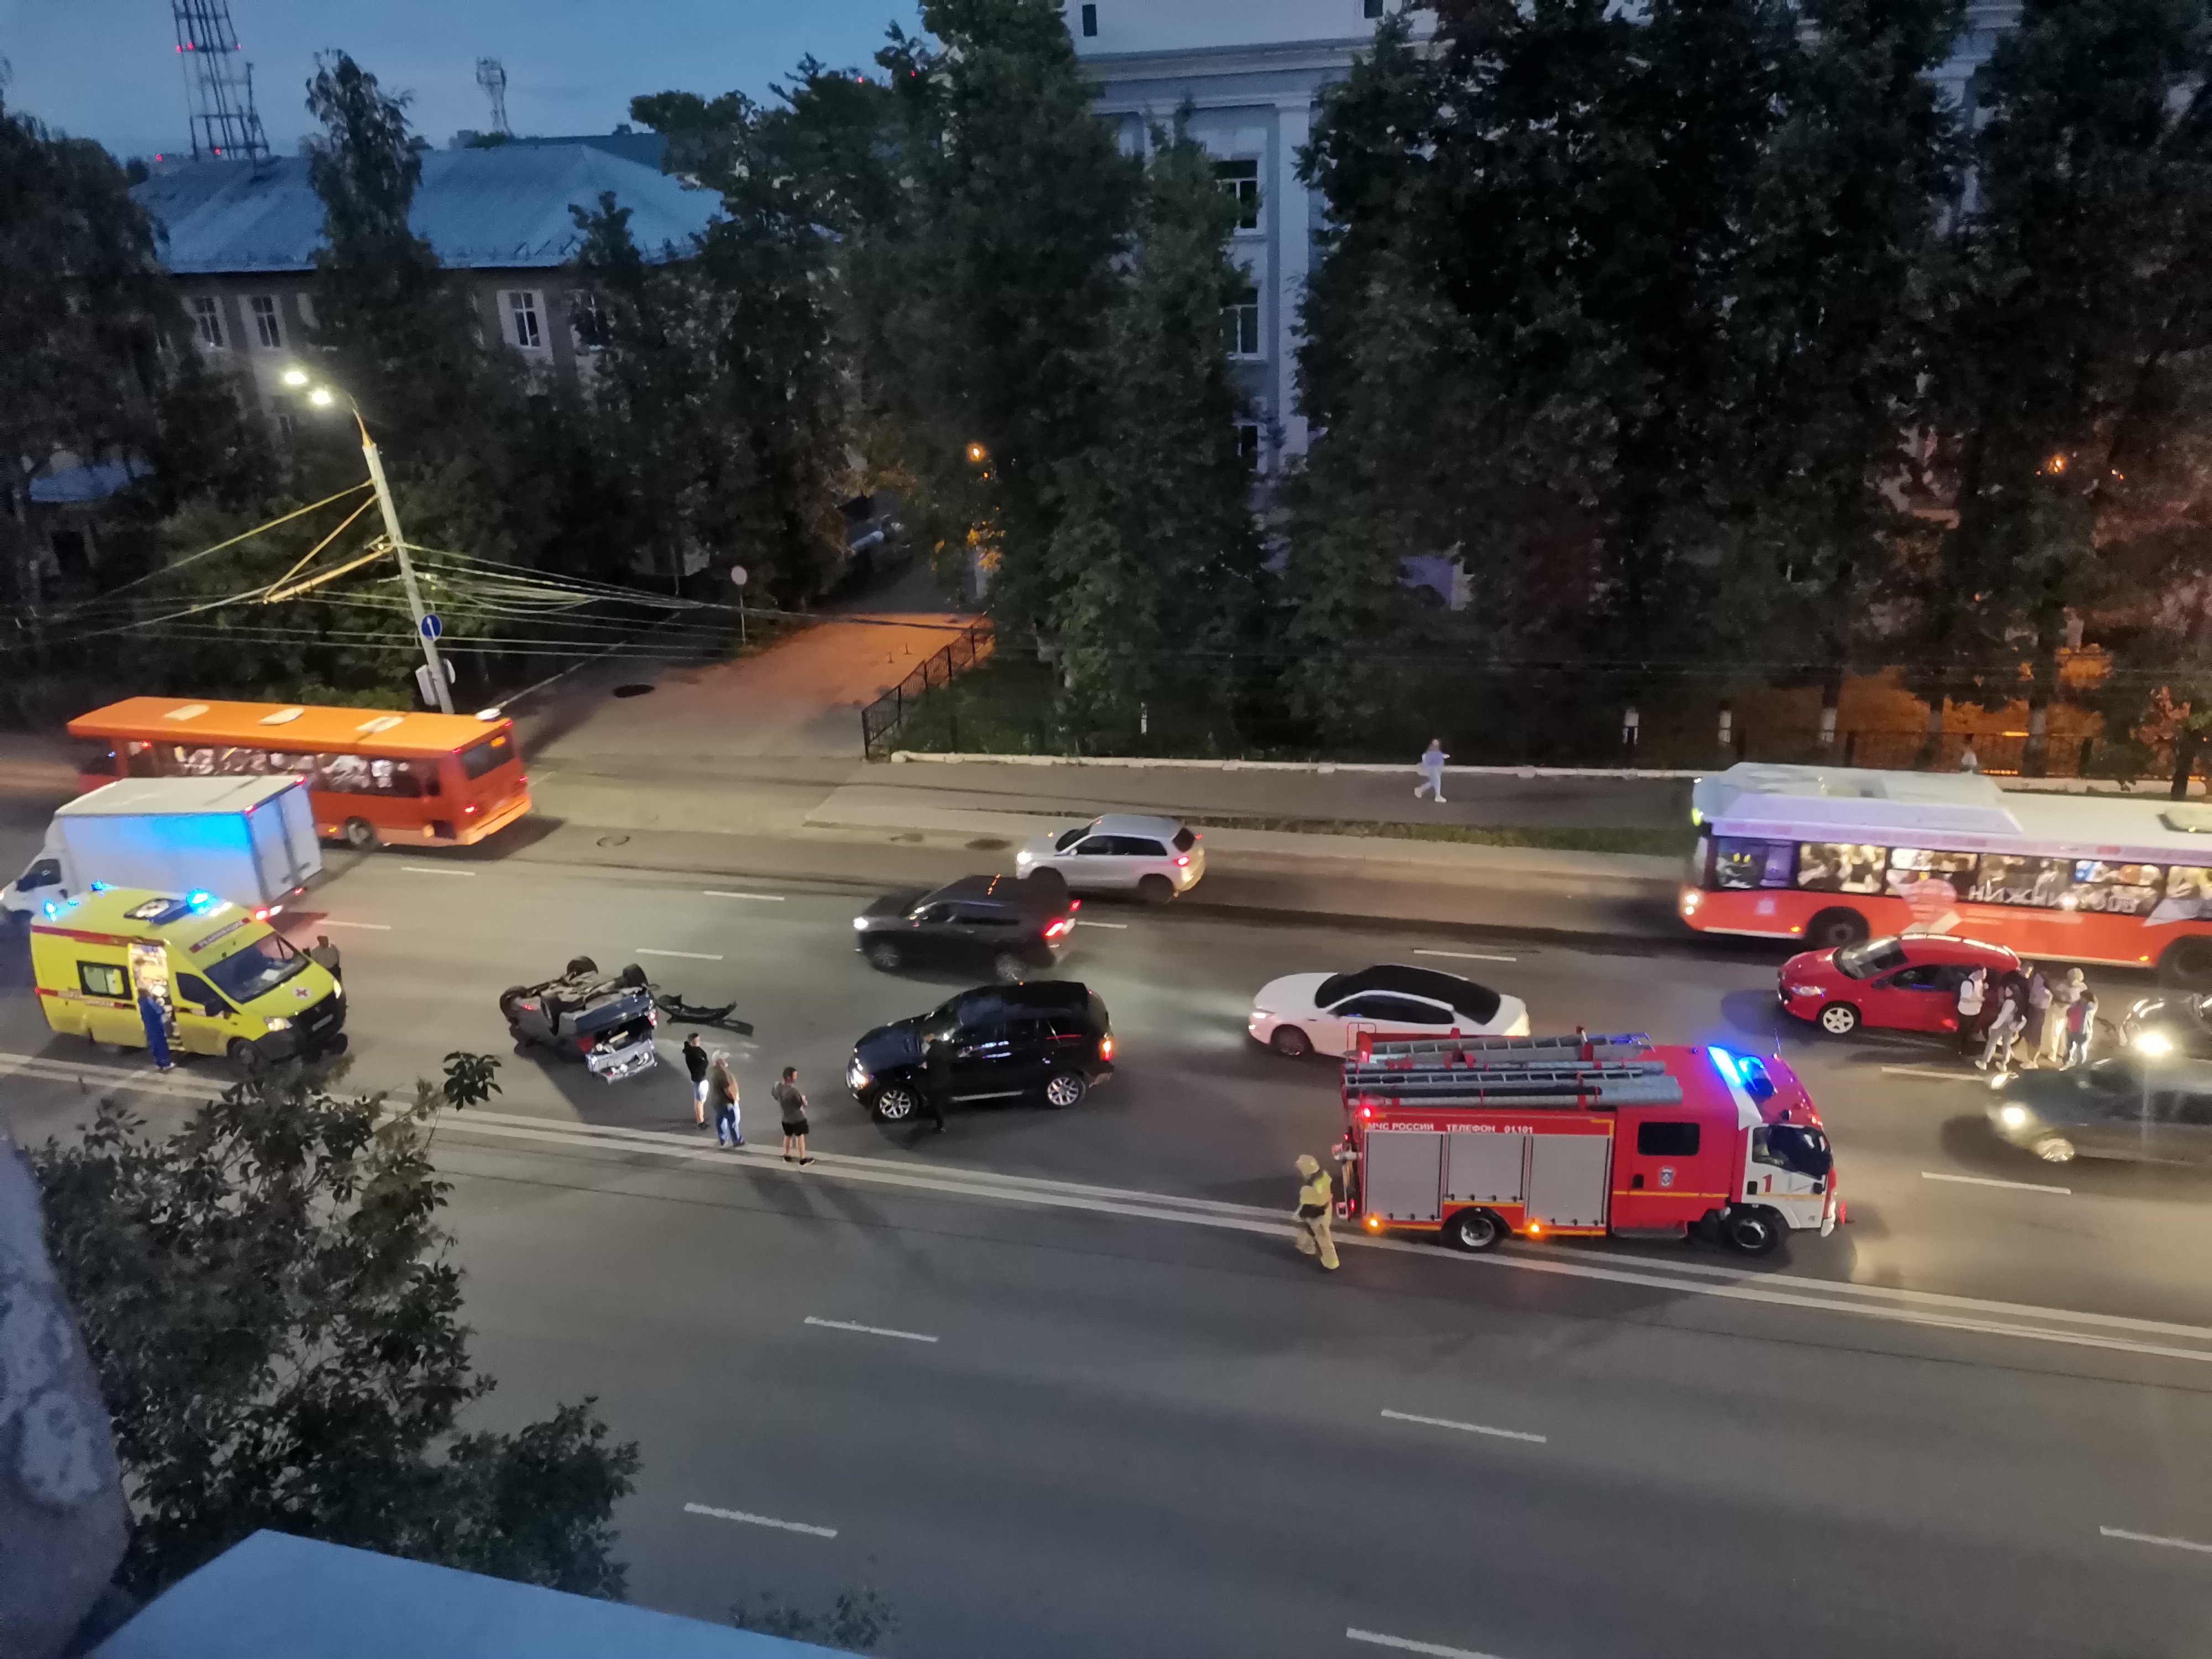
x,y
225,983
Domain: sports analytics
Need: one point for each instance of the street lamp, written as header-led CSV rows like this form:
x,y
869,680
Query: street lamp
x,y
323,396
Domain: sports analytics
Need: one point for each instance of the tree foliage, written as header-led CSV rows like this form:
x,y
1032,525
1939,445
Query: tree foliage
x,y
268,1298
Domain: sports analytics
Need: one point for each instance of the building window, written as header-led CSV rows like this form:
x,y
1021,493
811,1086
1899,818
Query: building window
x,y
1371,7
265,326
585,325
1248,444
522,311
1090,20
1241,179
207,315
1240,323
284,415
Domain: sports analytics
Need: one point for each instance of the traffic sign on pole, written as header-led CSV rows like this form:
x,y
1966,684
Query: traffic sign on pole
x,y
432,627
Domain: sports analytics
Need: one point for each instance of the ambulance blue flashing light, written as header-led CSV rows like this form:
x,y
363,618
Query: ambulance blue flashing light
x,y
100,886
200,900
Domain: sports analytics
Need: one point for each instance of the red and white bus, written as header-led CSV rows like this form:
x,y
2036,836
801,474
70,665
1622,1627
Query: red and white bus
x,y
372,776
1830,855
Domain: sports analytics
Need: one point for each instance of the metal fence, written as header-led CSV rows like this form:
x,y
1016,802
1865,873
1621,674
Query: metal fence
x,y
881,720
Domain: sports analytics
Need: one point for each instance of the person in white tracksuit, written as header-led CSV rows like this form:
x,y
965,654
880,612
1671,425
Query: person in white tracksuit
x,y
1433,771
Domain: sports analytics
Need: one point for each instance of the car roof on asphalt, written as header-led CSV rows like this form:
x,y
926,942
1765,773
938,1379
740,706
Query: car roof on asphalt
x,y
1135,824
1005,889
1943,947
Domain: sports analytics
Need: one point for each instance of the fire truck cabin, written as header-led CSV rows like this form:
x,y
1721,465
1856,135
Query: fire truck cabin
x,y
1480,1137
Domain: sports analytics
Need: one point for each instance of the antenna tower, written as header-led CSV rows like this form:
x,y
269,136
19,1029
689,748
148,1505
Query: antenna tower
x,y
218,83
491,76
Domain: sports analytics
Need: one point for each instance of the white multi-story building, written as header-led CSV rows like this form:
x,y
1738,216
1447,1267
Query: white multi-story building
x,y
1252,72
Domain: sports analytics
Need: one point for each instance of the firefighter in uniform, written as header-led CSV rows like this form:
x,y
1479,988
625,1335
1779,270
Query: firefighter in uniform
x,y
1314,1210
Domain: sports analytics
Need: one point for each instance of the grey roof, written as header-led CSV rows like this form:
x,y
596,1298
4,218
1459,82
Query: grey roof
x,y
502,209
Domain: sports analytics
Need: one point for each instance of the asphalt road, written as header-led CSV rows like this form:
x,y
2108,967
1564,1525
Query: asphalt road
x,y
1132,1435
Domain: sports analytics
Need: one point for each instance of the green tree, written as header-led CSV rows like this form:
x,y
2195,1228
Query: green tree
x,y
1155,559
2082,317
269,1299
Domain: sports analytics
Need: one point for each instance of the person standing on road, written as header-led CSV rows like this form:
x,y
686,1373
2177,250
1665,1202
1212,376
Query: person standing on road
x,y
324,955
722,1091
2058,1030
793,1104
1315,1208
1968,760
1433,771
154,1017
2081,1027
2004,1026
1971,991
2039,1016
695,1062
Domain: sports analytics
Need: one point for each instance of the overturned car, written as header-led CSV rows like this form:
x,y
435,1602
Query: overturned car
x,y
605,1021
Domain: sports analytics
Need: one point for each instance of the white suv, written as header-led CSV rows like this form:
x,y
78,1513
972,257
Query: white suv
x,y
1156,859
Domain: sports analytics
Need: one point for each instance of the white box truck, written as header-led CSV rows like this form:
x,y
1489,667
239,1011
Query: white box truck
x,y
248,840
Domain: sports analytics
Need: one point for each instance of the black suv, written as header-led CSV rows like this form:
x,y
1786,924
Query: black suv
x,y
1015,927
997,1042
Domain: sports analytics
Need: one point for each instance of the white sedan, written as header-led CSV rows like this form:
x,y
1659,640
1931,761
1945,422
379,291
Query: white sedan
x,y
1302,1012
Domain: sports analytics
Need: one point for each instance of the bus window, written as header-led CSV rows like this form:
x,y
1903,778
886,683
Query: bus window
x,y
1740,864
2188,895
1840,866
479,758
2115,890
2020,879
142,760
1918,874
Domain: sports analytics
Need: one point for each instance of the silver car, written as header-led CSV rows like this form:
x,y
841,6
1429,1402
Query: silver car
x,y
2145,1110
1156,859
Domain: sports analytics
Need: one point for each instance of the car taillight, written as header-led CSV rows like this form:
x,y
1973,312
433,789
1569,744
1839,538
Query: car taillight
x,y
1106,1048
1074,905
466,811
1182,860
583,1045
261,914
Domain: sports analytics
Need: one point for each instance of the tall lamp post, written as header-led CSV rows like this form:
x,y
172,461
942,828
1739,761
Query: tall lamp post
x,y
322,397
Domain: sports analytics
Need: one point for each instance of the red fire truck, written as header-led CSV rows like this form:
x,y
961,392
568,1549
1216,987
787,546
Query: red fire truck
x,y
1476,1138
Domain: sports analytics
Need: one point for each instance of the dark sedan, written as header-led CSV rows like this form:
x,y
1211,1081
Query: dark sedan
x,y
2134,1108
1051,1037
1016,928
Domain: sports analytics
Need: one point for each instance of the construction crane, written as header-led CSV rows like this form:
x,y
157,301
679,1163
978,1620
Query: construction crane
x,y
491,76
218,84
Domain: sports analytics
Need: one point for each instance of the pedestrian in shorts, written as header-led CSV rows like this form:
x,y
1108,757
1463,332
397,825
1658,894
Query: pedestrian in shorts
x,y
695,1062
793,1104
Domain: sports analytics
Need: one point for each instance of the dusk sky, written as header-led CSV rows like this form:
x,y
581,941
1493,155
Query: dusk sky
x,y
108,69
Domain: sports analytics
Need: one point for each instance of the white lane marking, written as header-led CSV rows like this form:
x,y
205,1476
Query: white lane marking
x,y
688,956
1467,956
867,1330
1465,1428
760,1521
1436,1650
433,870
765,898
1985,1180
1118,926
374,927
2153,1538
1982,1077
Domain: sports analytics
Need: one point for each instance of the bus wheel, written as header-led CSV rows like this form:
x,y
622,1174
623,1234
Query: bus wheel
x,y
1751,1232
244,1055
359,833
1832,929
1474,1229
2187,961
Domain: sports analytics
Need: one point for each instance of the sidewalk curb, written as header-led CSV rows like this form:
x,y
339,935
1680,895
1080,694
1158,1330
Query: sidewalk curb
x,y
1321,769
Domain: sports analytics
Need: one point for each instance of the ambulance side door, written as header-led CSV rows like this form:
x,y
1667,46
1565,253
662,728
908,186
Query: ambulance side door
x,y
201,1016
1668,1169
104,988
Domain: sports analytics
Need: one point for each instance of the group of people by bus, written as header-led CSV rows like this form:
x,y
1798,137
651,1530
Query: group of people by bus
x,y
2025,1019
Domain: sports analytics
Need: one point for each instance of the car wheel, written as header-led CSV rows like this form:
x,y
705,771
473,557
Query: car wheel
x,y
1475,1229
245,1057
2187,961
2054,1149
1156,889
579,965
1291,1042
1832,929
1751,1232
359,833
1839,1019
1066,1088
1046,882
897,1105
883,954
1010,968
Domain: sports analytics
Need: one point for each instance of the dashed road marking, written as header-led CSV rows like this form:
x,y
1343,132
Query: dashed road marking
x,y
1467,956
373,927
1986,1181
760,1521
1403,1644
1982,1077
688,956
1466,1428
765,898
1118,926
433,870
2153,1538
868,1330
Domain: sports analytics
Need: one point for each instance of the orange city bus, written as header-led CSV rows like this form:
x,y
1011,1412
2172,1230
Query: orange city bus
x,y
1829,855
372,776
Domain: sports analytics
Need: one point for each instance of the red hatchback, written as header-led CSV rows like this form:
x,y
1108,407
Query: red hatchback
x,y
1905,984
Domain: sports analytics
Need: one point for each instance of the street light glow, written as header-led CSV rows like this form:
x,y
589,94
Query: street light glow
x,y
296,377
976,452
320,397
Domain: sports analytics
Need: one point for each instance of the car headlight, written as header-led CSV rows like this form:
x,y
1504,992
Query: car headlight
x,y
2014,1117
279,1024
2154,1042
857,1075
337,990
1807,991
860,922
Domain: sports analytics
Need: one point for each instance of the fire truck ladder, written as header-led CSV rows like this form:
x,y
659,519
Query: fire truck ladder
x,y
1561,1072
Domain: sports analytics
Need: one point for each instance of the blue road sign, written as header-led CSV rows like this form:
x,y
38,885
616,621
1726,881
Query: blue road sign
x,y
432,627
